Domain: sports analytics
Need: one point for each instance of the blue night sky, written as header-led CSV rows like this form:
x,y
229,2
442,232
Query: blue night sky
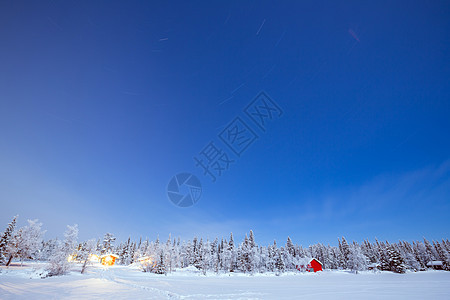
x,y
102,102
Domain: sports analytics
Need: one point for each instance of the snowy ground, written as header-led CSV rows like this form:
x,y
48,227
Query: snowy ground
x,y
119,282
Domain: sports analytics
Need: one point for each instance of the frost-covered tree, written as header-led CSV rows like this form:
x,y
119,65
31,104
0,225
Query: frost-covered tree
x,y
230,255
421,253
333,257
395,260
160,267
289,255
48,247
5,240
175,256
431,252
345,252
186,253
208,256
26,241
407,253
357,261
253,252
410,261
263,257
279,263
271,257
70,239
248,254
87,249
290,247
245,263
108,243
126,253
443,255
59,262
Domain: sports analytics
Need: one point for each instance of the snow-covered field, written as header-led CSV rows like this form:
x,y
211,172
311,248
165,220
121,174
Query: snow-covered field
x,y
119,282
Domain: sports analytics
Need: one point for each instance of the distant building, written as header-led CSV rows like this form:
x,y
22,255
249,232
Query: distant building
x,y
108,259
435,264
310,265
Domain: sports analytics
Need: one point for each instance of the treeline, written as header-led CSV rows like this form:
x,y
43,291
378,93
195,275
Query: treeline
x,y
220,256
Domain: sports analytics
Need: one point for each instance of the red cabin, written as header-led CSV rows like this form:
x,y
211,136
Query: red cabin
x,y
312,265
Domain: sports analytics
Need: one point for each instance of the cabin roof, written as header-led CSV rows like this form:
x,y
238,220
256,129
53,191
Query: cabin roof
x,y
308,260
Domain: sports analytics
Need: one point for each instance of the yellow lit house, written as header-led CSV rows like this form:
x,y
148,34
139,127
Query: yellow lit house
x,y
108,259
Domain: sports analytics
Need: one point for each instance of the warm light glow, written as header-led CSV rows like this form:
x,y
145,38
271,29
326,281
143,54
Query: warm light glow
x,y
146,261
108,260
94,258
70,258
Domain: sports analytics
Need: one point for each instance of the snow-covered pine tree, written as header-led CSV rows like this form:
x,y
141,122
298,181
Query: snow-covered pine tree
x,y
395,260
422,255
357,261
252,253
411,262
446,245
133,253
194,259
214,258
197,258
244,252
124,252
160,267
431,252
176,261
248,257
289,255
219,257
345,250
168,253
207,257
290,246
381,248
108,242
6,239
333,254
368,251
230,256
186,249
444,256
263,257
279,263
271,257
407,253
